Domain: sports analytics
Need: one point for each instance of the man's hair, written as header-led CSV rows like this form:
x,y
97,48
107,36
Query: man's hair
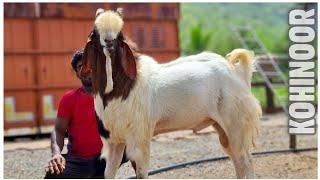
x,y
77,56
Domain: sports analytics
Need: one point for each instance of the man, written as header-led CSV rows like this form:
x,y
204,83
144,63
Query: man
x,y
76,116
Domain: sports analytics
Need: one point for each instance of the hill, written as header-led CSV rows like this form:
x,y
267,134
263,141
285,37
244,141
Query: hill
x,y
269,20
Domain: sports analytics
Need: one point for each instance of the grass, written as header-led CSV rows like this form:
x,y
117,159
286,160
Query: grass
x,y
260,94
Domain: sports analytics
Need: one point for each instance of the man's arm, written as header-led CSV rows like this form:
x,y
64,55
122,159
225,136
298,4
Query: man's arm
x,y
57,136
57,162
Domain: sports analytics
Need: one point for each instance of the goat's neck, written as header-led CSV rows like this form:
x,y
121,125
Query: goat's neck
x,y
122,84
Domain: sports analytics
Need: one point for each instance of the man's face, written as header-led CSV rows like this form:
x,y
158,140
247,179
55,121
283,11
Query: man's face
x,y
85,79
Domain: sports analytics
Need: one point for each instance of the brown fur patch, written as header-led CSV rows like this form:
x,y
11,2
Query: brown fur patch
x,y
222,135
95,58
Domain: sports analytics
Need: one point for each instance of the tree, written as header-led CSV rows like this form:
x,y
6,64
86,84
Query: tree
x,y
198,40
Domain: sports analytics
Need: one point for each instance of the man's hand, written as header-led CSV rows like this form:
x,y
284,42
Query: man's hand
x,y
56,165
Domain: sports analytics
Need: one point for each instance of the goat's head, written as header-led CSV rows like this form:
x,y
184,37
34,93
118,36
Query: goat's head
x,y
108,25
107,53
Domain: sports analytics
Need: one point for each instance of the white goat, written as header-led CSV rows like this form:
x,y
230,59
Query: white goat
x,y
189,93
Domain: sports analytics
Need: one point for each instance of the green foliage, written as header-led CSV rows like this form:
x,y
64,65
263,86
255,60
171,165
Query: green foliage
x,y
269,20
199,40
260,94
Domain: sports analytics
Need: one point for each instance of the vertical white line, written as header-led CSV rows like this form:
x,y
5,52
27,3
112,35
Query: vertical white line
x,y
37,9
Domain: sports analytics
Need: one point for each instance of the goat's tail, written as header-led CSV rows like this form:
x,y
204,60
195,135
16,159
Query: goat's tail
x,y
245,66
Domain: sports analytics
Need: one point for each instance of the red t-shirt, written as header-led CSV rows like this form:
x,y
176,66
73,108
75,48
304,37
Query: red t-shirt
x,y
84,138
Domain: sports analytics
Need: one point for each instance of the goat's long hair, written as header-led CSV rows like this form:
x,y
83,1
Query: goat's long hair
x,y
94,60
123,63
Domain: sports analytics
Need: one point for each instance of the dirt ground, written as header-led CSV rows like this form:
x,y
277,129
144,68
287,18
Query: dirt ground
x,y
26,158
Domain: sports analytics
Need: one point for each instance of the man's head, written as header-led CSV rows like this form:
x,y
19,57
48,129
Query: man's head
x,y
76,64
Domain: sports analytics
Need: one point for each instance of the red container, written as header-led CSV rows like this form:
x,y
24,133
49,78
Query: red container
x,y
40,39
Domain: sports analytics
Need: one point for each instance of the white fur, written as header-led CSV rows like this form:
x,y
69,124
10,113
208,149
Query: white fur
x,y
109,86
180,95
108,24
99,11
246,67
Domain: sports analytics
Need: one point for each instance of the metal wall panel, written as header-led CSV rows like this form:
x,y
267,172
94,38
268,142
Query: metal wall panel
x,y
163,57
38,51
18,71
153,11
49,101
21,10
62,35
18,34
70,10
158,35
20,109
148,11
55,70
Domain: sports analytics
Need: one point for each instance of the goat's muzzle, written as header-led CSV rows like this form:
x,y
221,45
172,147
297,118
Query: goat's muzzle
x,y
110,45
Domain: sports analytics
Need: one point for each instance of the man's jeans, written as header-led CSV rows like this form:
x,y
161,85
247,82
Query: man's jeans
x,y
80,168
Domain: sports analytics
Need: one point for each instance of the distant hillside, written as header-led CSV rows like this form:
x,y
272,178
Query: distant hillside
x,y
270,21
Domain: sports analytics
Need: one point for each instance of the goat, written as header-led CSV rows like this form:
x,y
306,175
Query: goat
x,y
137,98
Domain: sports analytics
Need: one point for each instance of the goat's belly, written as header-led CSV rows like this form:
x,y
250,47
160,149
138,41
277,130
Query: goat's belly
x,y
169,125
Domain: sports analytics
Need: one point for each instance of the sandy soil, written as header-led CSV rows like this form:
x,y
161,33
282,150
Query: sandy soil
x,y
300,165
26,158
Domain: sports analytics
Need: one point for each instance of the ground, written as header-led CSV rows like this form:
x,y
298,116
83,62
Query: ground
x,y
27,158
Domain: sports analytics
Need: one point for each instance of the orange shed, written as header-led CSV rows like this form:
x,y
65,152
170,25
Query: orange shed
x,y
39,40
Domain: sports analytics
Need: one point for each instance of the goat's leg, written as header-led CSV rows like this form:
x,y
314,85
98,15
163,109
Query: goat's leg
x,y
239,166
228,150
249,166
140,154
243,165
241,161
143,165
113,160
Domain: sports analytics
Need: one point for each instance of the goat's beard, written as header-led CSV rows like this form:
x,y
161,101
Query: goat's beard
x,y
109,86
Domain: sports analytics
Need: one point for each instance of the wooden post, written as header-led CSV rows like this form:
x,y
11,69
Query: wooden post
x,y
293,141
270,102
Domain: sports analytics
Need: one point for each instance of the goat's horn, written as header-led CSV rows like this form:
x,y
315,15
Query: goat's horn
x,y
120,11
99,11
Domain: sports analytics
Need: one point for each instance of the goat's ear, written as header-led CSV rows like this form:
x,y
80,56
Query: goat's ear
x,y
120,12
99,11
128,61
88,53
